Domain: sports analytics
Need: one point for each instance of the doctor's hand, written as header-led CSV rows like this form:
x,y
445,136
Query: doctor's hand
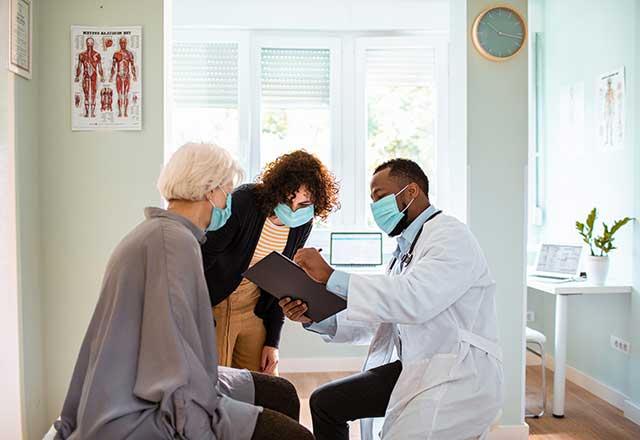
x,y
295,310
313,264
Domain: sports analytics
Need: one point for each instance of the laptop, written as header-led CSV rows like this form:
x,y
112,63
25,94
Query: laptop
x,y
356,249
558,262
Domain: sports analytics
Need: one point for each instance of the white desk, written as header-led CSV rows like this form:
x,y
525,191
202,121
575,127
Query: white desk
x,y
563,291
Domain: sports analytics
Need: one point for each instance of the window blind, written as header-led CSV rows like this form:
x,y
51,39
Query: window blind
x,y
295,77
400,66
205,74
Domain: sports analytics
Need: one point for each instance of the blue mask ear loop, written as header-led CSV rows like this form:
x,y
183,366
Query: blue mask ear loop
x,y
412,200
225,194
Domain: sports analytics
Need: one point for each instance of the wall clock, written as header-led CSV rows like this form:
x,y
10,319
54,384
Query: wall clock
x,y
499,33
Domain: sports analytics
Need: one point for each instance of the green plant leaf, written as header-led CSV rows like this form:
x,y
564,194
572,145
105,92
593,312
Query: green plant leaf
x,y
620,223
591,218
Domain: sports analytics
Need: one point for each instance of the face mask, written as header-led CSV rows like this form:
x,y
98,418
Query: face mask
x,y
291,218
388,216
219,216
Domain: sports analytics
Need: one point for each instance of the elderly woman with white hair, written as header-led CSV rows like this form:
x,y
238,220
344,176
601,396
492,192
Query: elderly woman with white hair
x,y
147,367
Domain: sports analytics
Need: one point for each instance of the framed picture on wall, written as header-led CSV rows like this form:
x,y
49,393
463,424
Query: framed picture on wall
x,y
21,55
106,78
610,110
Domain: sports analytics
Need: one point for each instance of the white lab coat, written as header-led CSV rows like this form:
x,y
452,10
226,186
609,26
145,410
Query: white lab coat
x,y
438,314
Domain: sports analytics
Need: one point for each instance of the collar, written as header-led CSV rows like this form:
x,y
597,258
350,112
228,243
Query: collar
x,y
409,234
152,212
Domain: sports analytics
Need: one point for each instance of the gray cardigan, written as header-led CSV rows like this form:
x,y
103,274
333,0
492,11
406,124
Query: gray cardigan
x,y
147,367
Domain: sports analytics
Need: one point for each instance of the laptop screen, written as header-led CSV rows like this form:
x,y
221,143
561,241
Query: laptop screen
x,y
356,248
561,259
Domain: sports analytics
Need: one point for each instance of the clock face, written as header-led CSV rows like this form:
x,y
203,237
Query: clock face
x,y
499,33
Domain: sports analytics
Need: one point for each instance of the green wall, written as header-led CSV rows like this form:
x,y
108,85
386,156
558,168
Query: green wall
x,y
29,244
497,124
583,39
93,185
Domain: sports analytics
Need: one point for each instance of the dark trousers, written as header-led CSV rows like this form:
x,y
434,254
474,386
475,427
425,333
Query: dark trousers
x,y
355,397
279,420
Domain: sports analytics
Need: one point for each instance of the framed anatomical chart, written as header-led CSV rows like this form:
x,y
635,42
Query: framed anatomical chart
x,y
106,78
21,34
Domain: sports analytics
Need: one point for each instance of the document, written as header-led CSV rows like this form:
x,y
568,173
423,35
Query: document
x,y
282,278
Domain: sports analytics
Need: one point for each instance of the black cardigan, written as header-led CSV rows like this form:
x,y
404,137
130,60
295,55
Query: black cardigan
x,y
228,251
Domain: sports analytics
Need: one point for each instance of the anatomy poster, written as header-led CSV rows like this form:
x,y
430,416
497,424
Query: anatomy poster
x,y
106,78
610,110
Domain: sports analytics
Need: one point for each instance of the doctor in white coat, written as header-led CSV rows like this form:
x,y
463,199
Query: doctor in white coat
x,y
434,368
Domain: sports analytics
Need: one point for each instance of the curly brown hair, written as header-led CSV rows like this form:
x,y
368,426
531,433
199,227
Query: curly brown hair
x,y
281,179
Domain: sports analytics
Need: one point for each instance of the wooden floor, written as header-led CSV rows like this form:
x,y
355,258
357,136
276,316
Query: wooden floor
x,y
586,417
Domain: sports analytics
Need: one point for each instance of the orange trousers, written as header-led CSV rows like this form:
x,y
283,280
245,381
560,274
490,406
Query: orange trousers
x,y
240,333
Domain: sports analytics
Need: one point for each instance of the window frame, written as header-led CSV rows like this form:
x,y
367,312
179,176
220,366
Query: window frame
x,y
536,192
347,106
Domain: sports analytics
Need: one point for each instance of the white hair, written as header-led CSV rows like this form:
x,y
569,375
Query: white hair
x,y
196,169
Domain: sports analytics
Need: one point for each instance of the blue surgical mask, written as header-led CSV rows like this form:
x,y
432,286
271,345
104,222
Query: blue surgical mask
x,y
386,213
292,218
219,216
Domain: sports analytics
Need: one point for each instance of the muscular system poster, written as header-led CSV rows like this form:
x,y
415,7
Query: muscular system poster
x,y
106,78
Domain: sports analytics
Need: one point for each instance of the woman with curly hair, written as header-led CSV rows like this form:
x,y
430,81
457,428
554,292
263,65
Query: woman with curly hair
x,y
274,214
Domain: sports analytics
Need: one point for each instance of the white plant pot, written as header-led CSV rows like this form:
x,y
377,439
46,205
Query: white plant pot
x,y
597,269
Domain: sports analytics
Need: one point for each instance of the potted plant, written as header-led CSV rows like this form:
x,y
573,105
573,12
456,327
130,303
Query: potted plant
x,y
598,262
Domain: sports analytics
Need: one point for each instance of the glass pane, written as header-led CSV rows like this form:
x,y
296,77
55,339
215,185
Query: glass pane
x,y
217,125
400,123
288,129
295,102
205,94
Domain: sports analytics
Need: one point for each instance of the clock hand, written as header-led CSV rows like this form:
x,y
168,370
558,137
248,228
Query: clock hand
x,y
492,27
518,37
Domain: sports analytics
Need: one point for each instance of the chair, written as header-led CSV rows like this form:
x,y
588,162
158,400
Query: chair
x,y
534,337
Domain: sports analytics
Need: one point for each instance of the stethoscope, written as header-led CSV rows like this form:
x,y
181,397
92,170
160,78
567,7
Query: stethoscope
x,y
405,259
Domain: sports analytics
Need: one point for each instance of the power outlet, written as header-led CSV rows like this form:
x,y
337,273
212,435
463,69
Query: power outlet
x,y
531,316
620,344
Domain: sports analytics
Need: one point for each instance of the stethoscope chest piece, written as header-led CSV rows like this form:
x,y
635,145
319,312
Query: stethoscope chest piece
x,y
406,259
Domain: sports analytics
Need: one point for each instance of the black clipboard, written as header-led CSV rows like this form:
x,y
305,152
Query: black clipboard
x,y
282,278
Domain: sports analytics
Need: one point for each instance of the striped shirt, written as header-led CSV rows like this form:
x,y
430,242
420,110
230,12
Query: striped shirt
x,y
272,238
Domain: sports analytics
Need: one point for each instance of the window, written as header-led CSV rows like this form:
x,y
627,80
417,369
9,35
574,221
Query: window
x,y
205,93
400,104
354,99
295,102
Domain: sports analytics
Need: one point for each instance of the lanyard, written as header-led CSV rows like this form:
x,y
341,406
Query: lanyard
x,y
406,258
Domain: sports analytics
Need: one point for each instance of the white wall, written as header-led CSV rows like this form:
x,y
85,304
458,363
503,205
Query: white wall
x,y
577,49
314,14
634,364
